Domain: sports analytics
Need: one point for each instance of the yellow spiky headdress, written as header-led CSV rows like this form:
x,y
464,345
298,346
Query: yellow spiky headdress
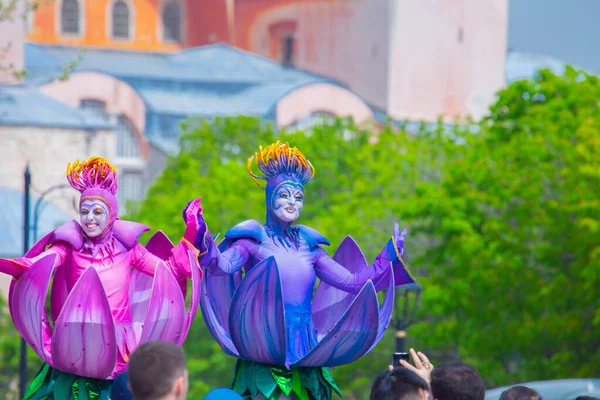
x,y
96,172
281,159
95,178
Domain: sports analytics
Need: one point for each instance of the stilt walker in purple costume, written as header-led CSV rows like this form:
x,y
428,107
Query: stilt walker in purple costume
x,y
109,293
282,337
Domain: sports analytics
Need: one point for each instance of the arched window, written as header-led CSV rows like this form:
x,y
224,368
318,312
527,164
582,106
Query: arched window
x,y
93,107
120,20
69,12
171,22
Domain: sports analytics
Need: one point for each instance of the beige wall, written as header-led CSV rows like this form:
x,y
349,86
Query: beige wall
x,y
437,70
415,59
48,151
346,40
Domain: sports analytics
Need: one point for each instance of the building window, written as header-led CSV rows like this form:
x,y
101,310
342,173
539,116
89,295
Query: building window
x,y
127,143
69,12
130,188
94,108
282,41
171,22
317,118
120,20
287,45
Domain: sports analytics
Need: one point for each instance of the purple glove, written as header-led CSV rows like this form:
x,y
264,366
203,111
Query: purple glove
x,y
198,226
399,238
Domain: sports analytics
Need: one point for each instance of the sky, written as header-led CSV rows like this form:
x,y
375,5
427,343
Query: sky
x,y
568,30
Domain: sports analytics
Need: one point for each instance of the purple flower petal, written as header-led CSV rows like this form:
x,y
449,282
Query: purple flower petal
x,y
257,318
385,311
84,341
28,306
140,290
194,298
212,322
351,337
160,245
165,317
58,293
330,303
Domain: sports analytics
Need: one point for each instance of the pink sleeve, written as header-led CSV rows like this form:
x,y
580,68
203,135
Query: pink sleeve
x,y
16,266
178,262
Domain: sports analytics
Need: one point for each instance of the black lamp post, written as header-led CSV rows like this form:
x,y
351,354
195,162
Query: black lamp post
x,y
407,301
26,198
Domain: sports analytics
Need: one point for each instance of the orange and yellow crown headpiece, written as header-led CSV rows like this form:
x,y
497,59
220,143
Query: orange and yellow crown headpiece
x,y
96,172
95,178
281,159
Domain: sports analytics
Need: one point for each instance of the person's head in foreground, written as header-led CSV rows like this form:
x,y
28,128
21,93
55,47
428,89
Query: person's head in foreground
x,y
157,371
520,393
400,384
456,380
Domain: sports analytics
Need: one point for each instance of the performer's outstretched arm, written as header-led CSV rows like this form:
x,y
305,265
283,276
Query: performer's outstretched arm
x,y
339,277
178,262
229,261
16,267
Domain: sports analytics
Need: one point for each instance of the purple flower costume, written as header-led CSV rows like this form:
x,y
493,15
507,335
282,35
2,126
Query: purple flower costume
x,y
109,293
269,320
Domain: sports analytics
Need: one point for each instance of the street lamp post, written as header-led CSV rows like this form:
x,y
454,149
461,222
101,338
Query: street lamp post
x,y
405,311
26,225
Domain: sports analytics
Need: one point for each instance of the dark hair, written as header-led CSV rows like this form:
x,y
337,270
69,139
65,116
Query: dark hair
x,y
454,381
520,393
398,384
586,398
153,369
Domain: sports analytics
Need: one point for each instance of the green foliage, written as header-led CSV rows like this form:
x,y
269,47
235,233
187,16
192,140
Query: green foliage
x,y
513,261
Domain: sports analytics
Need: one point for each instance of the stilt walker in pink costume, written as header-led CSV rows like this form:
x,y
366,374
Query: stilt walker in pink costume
x,y
109,293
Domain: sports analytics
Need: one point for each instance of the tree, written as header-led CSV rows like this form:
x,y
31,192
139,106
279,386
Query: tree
x,y
513,262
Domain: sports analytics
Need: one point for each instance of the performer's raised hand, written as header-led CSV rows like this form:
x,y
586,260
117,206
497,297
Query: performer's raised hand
x,y
399,238
194,221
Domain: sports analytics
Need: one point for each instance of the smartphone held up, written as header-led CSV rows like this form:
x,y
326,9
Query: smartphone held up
x,y
399,356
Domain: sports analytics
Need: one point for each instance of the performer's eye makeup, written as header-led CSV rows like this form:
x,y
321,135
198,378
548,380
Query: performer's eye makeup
x,y
98,211
84,211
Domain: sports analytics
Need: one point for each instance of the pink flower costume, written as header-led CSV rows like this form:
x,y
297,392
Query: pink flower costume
x,y
109,293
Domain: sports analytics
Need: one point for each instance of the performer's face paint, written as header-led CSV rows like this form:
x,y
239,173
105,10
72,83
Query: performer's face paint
x,y
288,201
93,216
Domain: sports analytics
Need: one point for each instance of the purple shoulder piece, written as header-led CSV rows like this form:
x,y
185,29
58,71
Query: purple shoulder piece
x,y
69,232
128,232
249,229
312,236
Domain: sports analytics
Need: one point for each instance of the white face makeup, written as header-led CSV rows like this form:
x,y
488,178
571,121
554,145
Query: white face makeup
x,y
93,216
288,202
